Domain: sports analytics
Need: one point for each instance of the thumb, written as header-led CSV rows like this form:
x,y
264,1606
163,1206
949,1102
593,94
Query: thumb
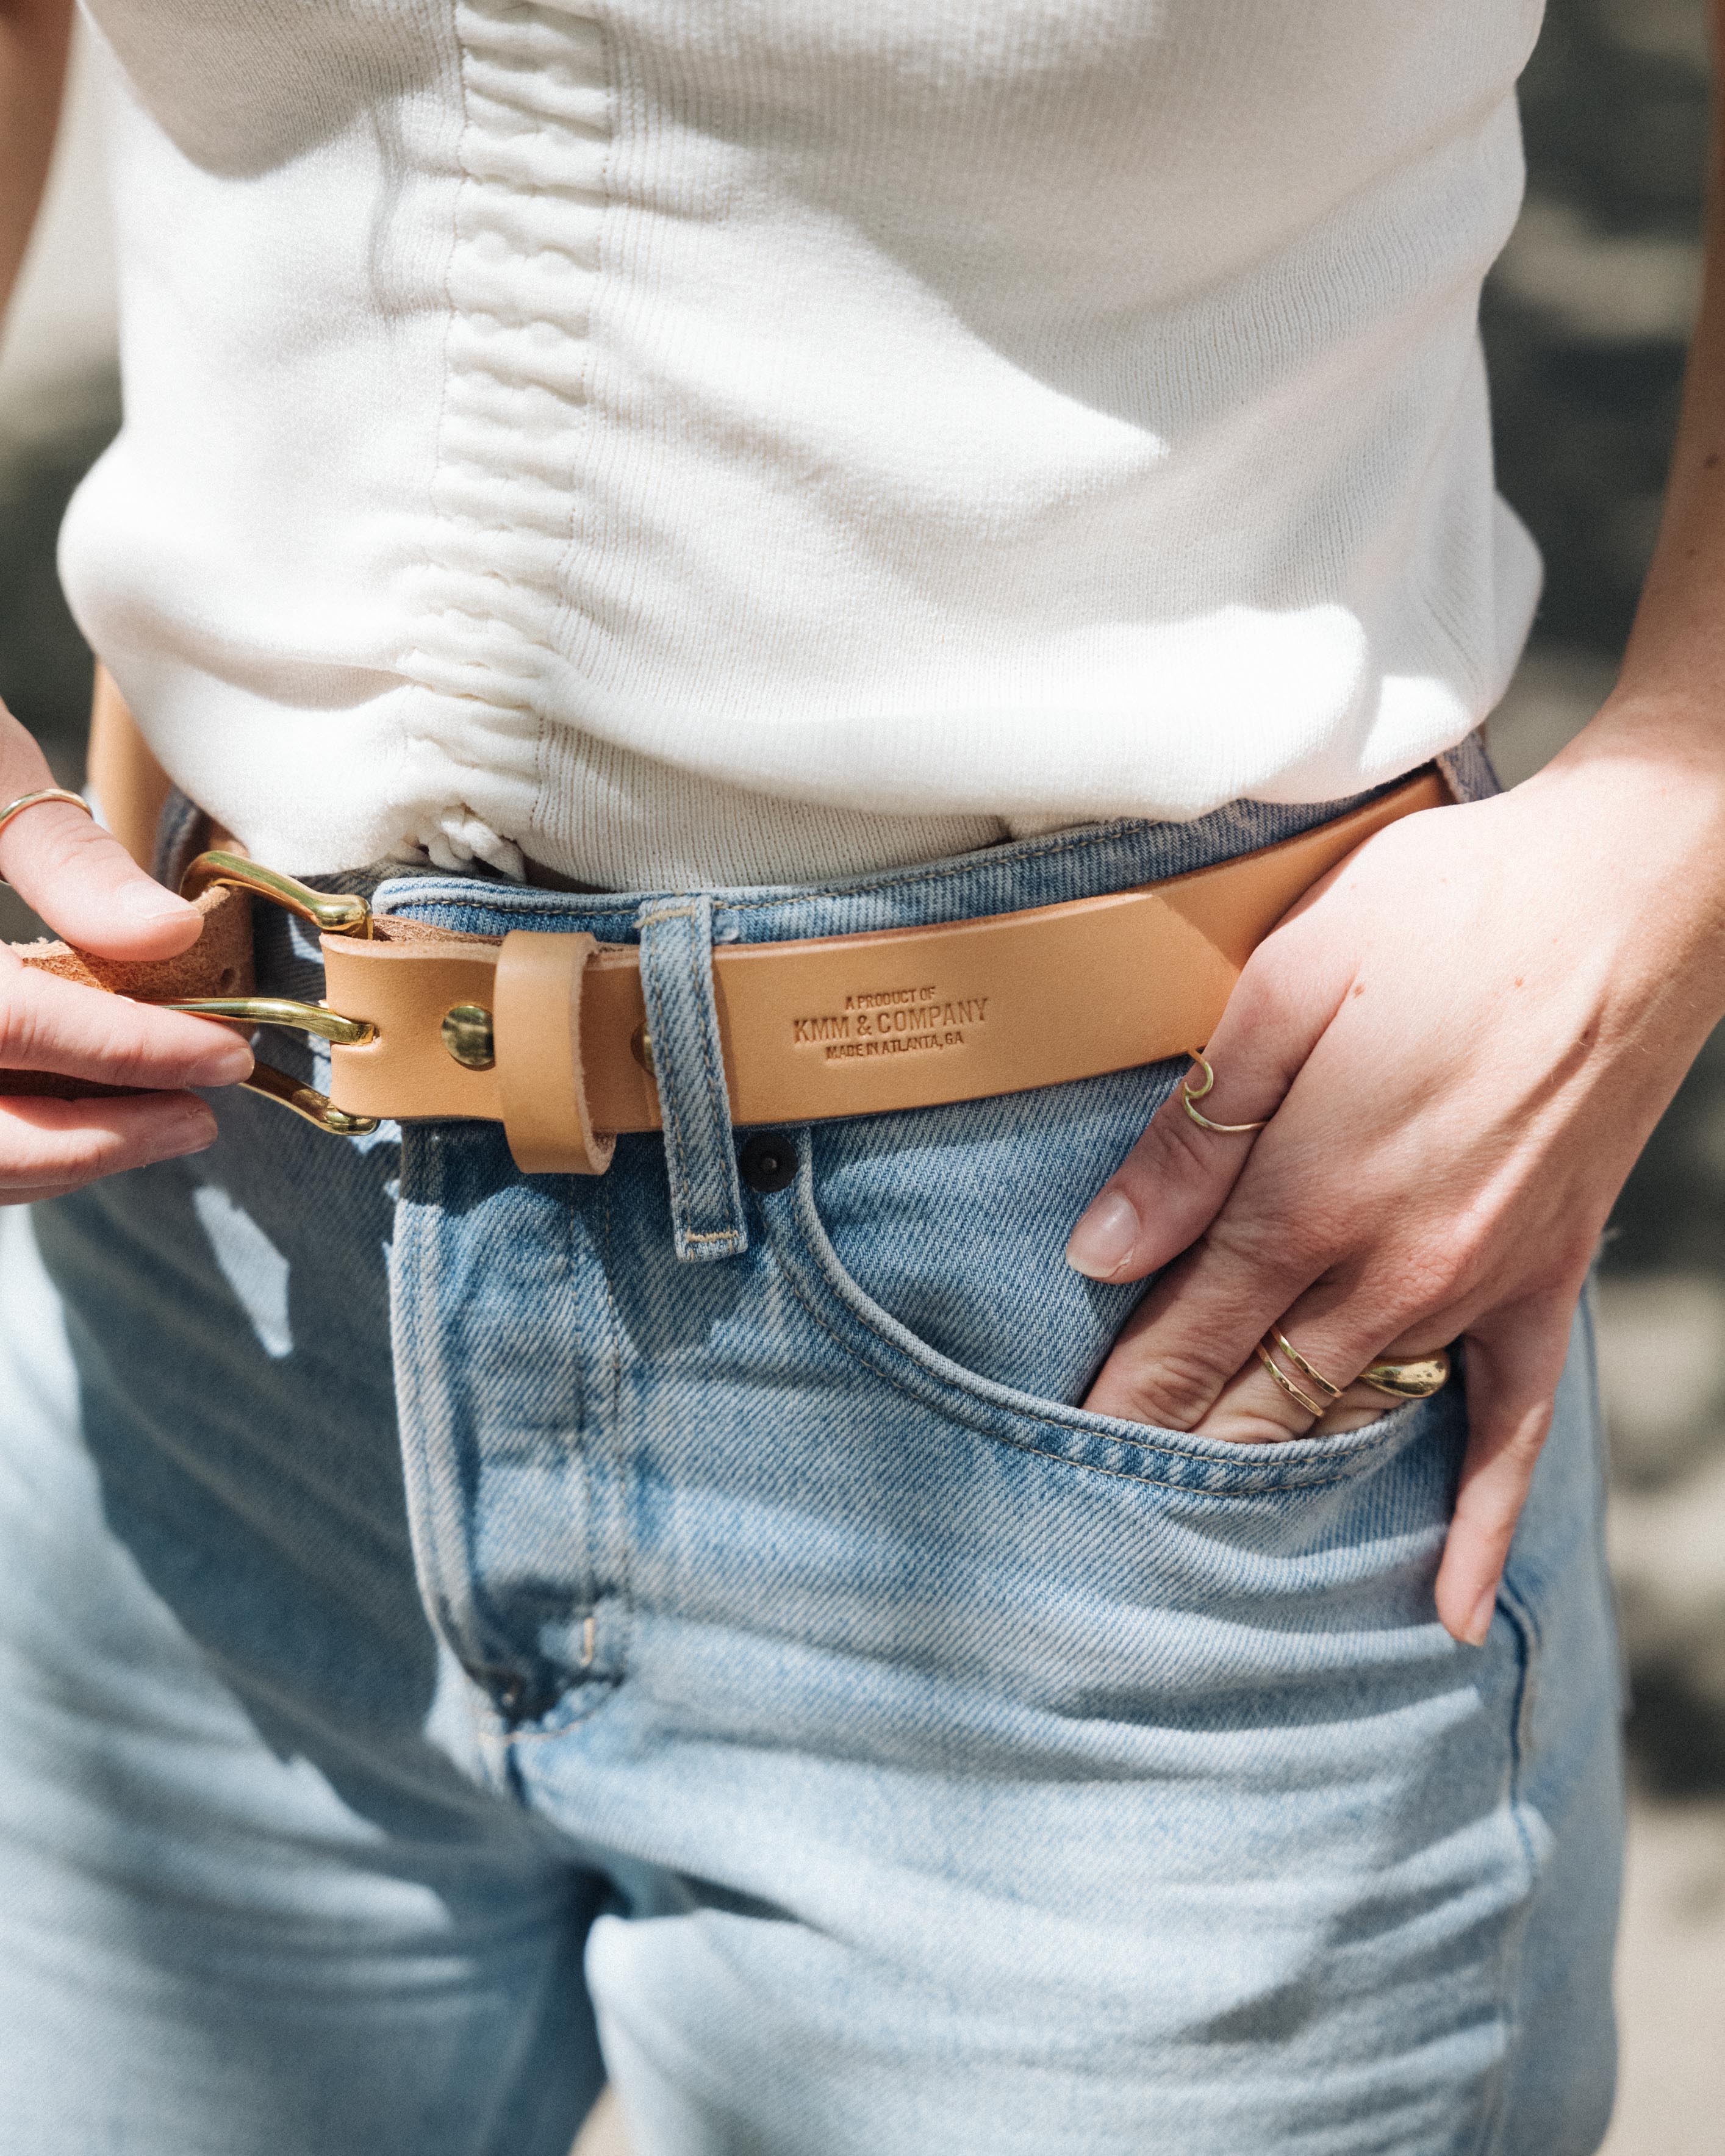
x,y
83,883
1176,1177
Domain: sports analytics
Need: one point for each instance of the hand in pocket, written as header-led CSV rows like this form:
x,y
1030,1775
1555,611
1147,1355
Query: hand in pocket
x,y
1440,1067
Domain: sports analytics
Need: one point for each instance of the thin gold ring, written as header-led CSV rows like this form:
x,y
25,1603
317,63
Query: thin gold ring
x,y
1416,1378
1413,1378
1315,1408
1303,1367
35,800
1189,1093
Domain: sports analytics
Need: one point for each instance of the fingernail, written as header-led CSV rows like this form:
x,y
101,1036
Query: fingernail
x,y
149,901
1105,1238
1480,1623
223,1066
193,1130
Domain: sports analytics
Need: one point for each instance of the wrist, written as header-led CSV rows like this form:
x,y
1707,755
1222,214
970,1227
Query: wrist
x,y
1636,803
1646,776
1658,728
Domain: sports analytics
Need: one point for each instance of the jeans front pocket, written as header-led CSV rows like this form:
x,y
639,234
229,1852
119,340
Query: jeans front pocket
x,y
930,1246
981,1530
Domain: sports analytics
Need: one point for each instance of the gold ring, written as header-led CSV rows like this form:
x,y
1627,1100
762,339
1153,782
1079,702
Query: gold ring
x,y
1417,1378
1315,1408
1189,1093
1303,1367
35,800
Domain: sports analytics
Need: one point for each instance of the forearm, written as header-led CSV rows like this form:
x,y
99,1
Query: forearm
x,y
33,39
1670,702
1642,786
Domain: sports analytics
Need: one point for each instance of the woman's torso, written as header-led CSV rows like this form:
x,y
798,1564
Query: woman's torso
x,y
763,441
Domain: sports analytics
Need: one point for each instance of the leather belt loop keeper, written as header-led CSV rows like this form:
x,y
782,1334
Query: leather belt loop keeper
x,y
541,1077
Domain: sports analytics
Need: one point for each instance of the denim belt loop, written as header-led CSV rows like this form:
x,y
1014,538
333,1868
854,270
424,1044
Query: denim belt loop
x,y
683,1024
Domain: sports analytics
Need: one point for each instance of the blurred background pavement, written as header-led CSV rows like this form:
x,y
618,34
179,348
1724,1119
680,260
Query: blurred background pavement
x,y
1585,322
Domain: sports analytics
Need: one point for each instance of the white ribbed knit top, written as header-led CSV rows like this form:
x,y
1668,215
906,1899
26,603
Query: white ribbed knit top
x,y
705,441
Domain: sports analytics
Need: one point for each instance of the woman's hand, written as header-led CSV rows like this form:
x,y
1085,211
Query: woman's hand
x,y
87,888
1463,1038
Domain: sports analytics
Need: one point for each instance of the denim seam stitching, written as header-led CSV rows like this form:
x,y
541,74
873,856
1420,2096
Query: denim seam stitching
x,y
626,1644
903,879
1022,850
899,880
445,1617
1042,1452
1520,1620
458,1612
586,1594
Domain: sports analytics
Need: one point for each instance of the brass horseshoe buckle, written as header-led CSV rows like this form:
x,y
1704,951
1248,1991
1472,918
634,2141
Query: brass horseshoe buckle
x,y
337,914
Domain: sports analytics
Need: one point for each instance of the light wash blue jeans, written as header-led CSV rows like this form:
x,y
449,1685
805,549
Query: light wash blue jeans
x,y
453,1645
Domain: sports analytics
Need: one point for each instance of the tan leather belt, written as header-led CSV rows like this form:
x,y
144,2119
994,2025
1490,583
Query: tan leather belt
x,y
547,1033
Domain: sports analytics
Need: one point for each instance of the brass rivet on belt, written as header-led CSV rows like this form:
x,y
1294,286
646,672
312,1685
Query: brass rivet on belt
x,y
641,1046
467,1034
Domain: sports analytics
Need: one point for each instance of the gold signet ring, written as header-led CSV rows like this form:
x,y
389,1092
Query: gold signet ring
x,y
1190,1093
1416,1378
36,800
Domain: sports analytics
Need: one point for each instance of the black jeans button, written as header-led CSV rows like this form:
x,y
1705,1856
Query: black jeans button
x,y
768,1160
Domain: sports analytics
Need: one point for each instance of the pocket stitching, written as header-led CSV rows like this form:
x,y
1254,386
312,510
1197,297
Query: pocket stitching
x,y
1521,1621
1018,1445
818,1247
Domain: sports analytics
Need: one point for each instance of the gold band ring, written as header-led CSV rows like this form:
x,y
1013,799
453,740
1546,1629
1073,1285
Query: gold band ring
x,y
35,800
1303,1367
1315,1407
1189,1093
1416,1378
